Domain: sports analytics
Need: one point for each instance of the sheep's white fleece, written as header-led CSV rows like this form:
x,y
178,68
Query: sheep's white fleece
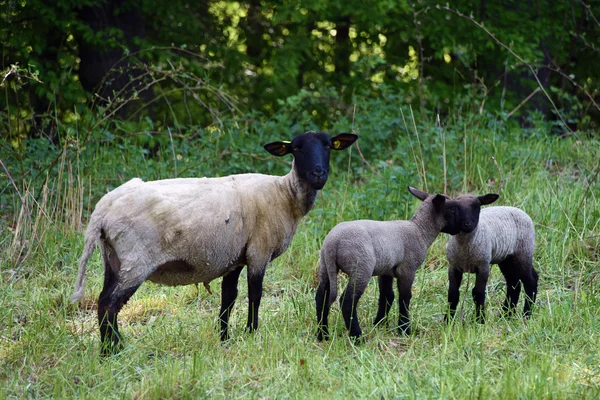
x,y
183,231
500,233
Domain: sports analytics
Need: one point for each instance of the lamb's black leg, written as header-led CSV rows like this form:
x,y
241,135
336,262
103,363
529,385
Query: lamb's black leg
x,y
229,292
322,308
454,280
405,283
349,302
255,284
386,297
478,293
531,285
511,271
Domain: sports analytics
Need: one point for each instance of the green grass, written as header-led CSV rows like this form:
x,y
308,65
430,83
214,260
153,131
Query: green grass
x,y
49,348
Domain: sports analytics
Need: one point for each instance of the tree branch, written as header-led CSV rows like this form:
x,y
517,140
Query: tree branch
x,y
515,55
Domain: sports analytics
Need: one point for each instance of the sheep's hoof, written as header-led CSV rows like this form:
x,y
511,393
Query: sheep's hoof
x,y
448,318
224,336
250,329
110,349
357,339
321,337
322,334
404,330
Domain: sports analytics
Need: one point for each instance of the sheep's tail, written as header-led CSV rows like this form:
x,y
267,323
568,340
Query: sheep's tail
x,y
92,235
329,267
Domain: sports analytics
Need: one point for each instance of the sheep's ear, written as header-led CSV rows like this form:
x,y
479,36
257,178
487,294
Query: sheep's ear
x,y
343,141
279,148
488,198
438,202
419,194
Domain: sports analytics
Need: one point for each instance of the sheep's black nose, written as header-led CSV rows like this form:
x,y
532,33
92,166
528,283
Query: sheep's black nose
x,y
319,172
467,224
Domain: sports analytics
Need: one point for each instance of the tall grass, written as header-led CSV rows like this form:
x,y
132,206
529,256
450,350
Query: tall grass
x,y
49,348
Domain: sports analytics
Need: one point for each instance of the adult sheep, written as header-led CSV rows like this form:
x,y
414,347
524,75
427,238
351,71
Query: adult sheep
x,y
494,235
191,230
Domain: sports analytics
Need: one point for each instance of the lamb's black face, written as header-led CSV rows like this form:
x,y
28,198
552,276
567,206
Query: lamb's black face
x,y
464,212
452,217
311,154
468,213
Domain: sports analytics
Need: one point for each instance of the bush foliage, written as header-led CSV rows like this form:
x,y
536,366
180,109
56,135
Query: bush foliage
x,y
192,63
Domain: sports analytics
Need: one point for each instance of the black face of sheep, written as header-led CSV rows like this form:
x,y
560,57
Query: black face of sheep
x,y
445,204
465,211
311,154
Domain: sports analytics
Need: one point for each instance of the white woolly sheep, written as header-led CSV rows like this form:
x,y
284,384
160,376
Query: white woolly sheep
x,y
185,231
494,235
387,249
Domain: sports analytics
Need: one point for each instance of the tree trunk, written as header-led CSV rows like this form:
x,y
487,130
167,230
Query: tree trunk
x,y
107,71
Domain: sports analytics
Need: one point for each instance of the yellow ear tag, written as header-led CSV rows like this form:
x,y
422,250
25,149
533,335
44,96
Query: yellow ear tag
x,y
336,144
284,147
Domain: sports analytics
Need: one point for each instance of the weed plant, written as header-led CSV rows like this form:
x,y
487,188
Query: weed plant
x,y
49,348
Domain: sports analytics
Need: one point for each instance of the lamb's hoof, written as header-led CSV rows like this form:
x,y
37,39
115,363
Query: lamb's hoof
x,y
404,330
110,349
322,334
250,329
224,336
357,339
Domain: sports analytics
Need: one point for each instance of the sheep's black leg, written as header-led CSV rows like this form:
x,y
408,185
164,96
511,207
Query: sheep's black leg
x,y
255,283
404,295
322,308
349,302
530,284
454,280
110,302
386,297
229,292
478,293
511,270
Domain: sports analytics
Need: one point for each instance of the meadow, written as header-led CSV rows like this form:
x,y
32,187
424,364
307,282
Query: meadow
x,y
49,348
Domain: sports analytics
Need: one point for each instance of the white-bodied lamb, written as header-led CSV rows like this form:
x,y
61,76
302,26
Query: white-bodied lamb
x,y
494,235
387,249
191,230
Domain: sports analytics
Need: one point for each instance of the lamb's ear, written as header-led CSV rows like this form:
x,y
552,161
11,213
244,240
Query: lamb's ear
x,y
279,148
488,198
343,141
438,202
419,194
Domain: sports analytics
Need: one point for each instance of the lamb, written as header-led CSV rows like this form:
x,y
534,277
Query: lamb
x,y
192,230
494,235
386,249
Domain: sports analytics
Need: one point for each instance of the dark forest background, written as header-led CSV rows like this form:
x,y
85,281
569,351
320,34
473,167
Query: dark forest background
x,y
157,65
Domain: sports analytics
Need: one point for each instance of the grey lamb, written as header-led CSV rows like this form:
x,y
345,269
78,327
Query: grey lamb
x,y
387,249
494,235
185,231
